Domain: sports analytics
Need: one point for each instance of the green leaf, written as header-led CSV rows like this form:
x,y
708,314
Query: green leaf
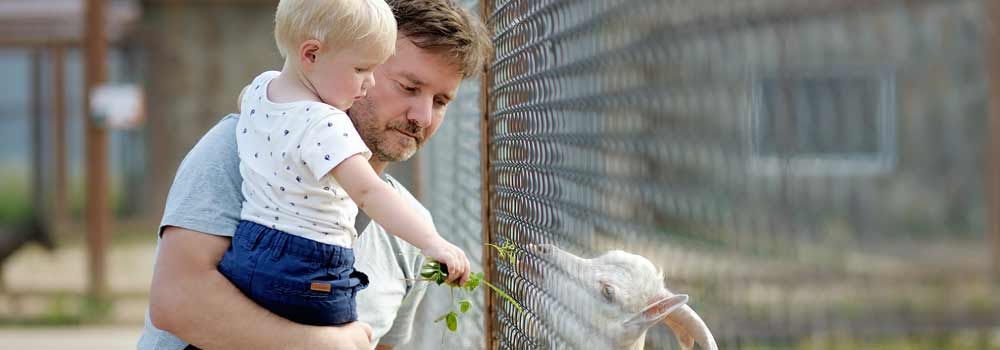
x,y
464,305
433,271
473,282
452,320
505,252
504,295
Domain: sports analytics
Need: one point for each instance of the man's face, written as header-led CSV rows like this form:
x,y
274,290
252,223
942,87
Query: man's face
x,y
407,103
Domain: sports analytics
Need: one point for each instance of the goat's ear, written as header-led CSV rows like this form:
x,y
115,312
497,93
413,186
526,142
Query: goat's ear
x,y
657,311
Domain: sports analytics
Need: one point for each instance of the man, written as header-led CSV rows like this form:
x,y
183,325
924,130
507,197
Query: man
x,y
191,303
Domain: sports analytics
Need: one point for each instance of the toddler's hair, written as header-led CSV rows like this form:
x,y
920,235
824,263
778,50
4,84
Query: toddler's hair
x,y
339,24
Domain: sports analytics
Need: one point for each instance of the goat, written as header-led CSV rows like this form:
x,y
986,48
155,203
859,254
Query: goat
x,y
623,295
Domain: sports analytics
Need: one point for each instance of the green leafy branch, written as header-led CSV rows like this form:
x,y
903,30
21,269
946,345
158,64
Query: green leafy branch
x,y
506,252
433,271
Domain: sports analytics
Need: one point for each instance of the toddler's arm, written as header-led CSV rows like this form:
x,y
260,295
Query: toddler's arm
x,y
384,205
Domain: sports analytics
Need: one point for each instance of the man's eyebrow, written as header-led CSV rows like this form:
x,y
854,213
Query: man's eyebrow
x,y
412,78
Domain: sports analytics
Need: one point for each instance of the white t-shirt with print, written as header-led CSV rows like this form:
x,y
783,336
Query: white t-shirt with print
x,y
286,152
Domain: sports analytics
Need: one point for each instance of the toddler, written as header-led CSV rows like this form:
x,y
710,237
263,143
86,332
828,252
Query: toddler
x,y
305,167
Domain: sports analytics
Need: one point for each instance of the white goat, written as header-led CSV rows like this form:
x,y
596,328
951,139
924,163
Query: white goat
x,y
623,295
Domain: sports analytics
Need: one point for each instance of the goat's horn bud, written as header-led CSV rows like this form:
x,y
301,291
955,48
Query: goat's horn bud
x,y
689,329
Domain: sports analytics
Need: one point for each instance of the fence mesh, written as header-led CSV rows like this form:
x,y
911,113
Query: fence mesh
x,y
811,173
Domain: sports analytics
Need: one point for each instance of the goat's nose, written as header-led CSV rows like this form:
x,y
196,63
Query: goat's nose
x,y
540,248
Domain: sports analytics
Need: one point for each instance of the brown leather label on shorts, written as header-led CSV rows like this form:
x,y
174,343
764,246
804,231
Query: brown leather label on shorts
x,y
320,287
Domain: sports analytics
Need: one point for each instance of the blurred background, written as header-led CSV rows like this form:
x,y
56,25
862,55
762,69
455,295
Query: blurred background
x,y
816,174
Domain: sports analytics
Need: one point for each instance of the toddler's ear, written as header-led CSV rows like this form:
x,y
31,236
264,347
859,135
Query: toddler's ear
x,y
308,51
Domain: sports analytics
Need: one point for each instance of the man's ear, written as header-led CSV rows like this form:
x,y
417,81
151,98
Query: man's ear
x,y
239,100
309,51
657,311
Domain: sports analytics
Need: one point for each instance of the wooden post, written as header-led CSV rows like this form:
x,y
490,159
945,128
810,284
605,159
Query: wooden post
x,y
489,268
993,151
59,134
37,113
96,211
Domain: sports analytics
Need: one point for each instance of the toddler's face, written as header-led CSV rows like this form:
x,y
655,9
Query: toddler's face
x,y
342,77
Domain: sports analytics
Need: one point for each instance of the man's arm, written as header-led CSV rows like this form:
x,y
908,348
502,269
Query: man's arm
x,y
192,300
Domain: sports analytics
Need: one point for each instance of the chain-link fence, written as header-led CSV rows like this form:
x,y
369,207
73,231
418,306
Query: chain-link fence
x,y
811,173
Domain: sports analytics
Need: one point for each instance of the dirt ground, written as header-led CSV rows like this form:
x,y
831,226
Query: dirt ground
x,y
84,338
130,267
43,287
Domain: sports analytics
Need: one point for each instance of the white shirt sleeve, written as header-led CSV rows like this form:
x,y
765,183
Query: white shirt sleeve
x,y
402,326
330,140
409,260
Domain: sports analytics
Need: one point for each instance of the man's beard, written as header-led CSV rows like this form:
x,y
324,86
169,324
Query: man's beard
x,y
384,147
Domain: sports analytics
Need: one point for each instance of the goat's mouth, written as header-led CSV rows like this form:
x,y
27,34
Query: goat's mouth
x,y
540,249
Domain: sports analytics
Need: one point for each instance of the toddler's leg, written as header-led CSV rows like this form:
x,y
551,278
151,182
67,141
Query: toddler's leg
x,y
239,261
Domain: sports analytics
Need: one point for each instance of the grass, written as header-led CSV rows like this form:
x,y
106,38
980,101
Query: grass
x,y
15,207
958,340
64,309
16,200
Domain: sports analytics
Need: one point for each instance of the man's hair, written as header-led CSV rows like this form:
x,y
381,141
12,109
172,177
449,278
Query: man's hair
x,y
444,27
368,25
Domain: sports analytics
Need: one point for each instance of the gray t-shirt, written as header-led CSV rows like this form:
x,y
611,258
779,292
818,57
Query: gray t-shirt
x,y
206,197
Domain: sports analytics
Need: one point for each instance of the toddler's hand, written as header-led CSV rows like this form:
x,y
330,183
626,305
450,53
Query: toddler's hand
x,y
448,254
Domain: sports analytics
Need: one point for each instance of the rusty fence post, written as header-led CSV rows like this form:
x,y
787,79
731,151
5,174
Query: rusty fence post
x,y
489,269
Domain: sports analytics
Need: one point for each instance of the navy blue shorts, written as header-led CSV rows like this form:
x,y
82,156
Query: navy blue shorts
x,y
297,278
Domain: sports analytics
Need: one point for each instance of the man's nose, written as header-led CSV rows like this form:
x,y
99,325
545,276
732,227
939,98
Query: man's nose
x,y
420,112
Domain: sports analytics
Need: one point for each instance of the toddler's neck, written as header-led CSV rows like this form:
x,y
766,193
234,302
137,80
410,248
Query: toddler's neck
x,y
291,86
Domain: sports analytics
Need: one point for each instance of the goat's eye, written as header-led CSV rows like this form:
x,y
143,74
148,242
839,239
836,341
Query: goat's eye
x,y
608,292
